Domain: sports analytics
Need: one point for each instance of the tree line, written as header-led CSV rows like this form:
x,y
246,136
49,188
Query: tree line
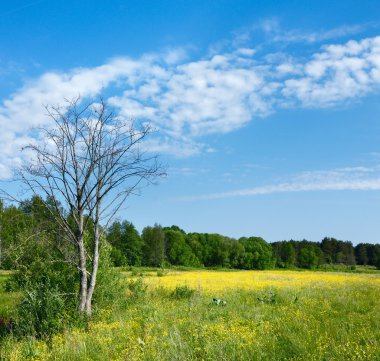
x,y
26,229
158,245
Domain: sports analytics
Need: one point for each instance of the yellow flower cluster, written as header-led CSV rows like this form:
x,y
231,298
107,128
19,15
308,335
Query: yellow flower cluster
x,y
267,315
220,282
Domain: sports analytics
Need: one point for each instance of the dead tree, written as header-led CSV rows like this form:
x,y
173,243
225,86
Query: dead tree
x,y
89,162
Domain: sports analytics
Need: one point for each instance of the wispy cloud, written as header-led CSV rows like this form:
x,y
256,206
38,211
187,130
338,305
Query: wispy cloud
x,y
188,99
187,171
20,8
275,33
350,178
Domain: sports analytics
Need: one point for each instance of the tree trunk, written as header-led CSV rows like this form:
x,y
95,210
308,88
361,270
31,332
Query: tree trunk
x,y
83,276
94,271
82,266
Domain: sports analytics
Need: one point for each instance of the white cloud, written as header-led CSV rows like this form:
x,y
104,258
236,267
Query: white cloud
x,y
25,109
350,178
214,95
179,148
187,171
187,99
276,34
338,74
314,37
174,56
245,51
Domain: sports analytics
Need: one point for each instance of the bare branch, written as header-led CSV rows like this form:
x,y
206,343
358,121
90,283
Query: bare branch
x,y
89,163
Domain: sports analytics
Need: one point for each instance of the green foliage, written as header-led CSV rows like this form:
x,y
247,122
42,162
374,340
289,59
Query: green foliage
x,y
50,294
368,254
27,233
136,272
336,251
110,289
8,300
178,252
237,254
258,253
118,257
173,247
162,272
376,257
285,254
181,292
13,229
154,245
127,244
217,250
42,312
308,258
48,304
361,253
137,289
269,297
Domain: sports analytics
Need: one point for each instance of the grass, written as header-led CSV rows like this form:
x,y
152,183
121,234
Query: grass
x,y
7,300
266,315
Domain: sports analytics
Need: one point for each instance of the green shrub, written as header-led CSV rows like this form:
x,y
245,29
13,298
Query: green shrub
x,y
110,289
137,288
269,297
49,295
136,272
182,292
162,272
42,311
49,299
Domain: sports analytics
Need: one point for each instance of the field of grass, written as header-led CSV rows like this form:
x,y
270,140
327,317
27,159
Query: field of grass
x,y
7,300
257,315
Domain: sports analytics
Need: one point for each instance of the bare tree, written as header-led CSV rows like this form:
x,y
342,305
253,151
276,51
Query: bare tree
x,y
88,165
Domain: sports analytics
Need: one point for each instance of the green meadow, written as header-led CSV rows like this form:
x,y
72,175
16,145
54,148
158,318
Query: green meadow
x,y
218,315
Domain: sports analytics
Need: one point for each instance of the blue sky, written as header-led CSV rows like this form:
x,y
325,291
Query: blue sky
x,y
268,111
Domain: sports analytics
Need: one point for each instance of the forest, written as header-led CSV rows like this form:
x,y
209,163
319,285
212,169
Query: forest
x,y
27,233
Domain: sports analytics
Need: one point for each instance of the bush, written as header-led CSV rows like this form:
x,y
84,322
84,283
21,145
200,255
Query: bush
x,y
136,272
137,288
110,289
42,312
270,297
182,292
50,295
6,326
49,299
162,272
